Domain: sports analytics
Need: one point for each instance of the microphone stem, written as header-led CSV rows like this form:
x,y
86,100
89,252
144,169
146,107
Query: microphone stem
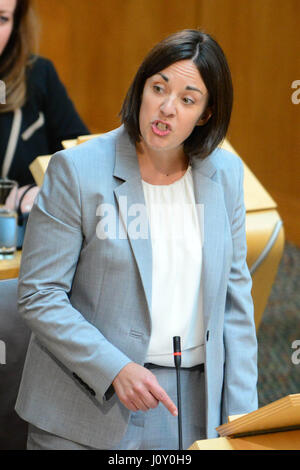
x,y
179,407
177,360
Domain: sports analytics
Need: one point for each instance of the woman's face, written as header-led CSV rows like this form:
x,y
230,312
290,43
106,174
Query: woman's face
x,y
7,8
173,102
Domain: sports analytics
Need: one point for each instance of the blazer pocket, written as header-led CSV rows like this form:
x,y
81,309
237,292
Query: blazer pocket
x,y
33,127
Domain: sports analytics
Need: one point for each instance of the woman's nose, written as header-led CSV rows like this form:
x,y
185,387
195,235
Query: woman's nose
x,y
168,106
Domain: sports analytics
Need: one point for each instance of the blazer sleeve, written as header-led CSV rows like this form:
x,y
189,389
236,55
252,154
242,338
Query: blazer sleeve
x,y
240,374
51,250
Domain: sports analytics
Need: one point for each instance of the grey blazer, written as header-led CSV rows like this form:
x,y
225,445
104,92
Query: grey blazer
x,y
87,300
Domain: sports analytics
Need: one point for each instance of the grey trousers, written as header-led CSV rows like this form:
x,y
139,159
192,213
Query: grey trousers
x,y
155,429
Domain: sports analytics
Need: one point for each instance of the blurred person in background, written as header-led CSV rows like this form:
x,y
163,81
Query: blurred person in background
x,y
38,113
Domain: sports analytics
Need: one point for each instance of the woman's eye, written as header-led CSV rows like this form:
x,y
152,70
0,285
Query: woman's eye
x,y
188,100
3,19
158,88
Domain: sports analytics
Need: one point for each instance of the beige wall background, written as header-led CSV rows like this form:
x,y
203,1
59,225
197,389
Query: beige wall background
x,y
97,46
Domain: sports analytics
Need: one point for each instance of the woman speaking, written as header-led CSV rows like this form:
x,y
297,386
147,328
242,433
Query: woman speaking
x,y
138,236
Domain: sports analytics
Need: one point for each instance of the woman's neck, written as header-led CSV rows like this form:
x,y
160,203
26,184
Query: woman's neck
x,y
161,167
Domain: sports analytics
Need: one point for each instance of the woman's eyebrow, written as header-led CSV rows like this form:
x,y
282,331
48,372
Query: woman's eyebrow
x,y
163,76
194,89
188,87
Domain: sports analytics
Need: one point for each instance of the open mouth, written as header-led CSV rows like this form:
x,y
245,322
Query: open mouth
x,y
161,128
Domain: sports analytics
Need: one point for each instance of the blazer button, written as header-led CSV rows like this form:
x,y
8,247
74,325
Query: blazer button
x,y
207,335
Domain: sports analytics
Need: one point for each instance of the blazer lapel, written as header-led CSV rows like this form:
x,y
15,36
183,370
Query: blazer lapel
x,y
132,209
209,196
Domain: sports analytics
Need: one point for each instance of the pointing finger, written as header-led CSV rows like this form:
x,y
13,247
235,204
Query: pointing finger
x,y
164,398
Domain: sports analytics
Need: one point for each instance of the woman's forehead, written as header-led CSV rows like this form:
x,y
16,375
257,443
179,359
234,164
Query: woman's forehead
x,y
185,71
8,6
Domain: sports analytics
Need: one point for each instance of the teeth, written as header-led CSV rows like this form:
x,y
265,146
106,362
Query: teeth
x,y
161,126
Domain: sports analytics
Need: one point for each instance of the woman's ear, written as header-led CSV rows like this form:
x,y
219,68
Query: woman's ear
x,y
204,117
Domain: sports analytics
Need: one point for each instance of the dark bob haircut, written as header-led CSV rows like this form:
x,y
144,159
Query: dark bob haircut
x,y
211,62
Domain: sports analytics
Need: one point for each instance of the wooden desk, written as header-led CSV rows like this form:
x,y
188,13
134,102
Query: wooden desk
x,y
275,426
289,440
9,268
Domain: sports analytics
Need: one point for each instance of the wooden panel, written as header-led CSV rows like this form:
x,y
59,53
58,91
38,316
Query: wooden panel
x,y
9,268
276,416
255,195
289,440
261,41
289,209
97,47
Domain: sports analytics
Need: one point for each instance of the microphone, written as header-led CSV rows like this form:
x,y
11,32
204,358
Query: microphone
x,y
177,361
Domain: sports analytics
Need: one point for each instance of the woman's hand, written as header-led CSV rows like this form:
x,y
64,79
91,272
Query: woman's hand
x,y
138,389
29,197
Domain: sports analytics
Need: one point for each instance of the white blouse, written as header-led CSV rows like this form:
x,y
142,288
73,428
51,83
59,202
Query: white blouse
x,y
175,225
